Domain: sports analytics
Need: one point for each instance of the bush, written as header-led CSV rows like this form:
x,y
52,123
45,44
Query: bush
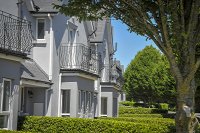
x,y
164,106
141,115
11,131
128,110
162,122
158,121
127,103
125,110
77,125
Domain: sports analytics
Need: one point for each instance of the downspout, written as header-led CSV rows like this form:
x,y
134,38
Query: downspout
x,y
50,49
59,95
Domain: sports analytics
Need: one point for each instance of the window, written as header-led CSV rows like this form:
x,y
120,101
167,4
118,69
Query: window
x,y
72,35
104,106
65,102
84,102
90,101
5,94
79,101
3,121
40,28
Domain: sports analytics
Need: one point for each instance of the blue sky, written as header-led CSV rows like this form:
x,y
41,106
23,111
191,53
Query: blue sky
x,y
128,43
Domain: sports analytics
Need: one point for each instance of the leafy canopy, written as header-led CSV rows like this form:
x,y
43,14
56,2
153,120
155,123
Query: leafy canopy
x,y
147,77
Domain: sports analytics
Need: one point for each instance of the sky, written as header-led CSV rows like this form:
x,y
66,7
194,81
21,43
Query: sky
x,y
128,44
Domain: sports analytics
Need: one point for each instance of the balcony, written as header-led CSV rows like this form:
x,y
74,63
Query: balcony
x,y
79,57
112,75
15,35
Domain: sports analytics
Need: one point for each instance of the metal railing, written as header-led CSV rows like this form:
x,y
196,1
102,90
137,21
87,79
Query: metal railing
x,y
15,34
111,74
78,57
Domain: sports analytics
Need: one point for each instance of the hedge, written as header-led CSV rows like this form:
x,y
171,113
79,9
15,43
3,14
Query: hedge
x,y
164,106
160,121
12,131
77,125
127,103
141,115
128,110
125,110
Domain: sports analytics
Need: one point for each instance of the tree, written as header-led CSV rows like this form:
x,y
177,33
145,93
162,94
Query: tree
x,y
147,78
174,27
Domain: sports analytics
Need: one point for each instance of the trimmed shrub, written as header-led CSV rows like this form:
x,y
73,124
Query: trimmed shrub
x,y
160,121
127,103
125,110
141,115
77,125
12,131
164,106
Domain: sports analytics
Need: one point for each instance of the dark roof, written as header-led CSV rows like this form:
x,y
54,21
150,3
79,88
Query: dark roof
x,y
45,6
31,70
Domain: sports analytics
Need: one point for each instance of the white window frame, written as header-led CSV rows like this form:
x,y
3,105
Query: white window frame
x,y
65,114
37,28
2,92
5,113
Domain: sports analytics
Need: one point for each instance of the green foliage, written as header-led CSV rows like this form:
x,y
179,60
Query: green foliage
x,y
141,115
12,131
162,122
127,103
147,78
76,125
164,106
126,110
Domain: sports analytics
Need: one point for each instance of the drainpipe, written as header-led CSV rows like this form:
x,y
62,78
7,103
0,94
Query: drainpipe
x,y
59,95
51,49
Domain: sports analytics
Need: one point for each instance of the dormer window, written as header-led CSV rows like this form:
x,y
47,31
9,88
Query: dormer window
x,y
40,25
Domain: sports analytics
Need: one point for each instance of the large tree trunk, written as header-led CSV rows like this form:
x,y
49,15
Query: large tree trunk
x,y
185,115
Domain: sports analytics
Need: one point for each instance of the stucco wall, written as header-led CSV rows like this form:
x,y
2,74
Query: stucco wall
x,y
74,84
38,97
112,100
11,70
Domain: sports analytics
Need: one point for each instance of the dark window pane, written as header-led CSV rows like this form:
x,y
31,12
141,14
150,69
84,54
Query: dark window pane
x,y
3,121
66,101
79,101
6,94
40,29
104,106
